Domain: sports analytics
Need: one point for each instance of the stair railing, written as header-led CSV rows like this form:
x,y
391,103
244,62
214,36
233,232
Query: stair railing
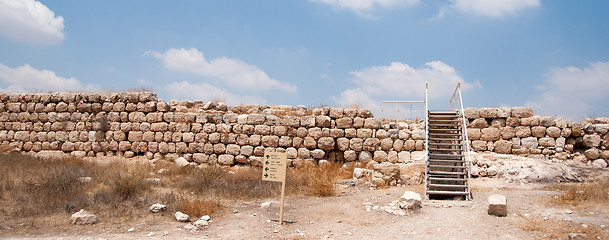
x,y
426,140
453,105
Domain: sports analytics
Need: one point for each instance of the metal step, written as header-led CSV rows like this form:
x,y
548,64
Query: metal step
x,y
446,193
446,166
445,155
446,186
444,139
445,173
445,150
445,134
445,144
447,179
446,161
441,125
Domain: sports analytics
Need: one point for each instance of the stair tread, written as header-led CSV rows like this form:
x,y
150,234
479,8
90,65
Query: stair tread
x,y
442,125
445,144
446,173
447,179
446,160
446,139
445,134
447,193
446,155
446,166
447,185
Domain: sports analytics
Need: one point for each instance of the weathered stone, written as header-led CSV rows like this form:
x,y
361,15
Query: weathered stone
x,y
591,140
371,144
479,123
504,112
326,143
599,163
592,153
410,200
318,154
418,134
365,156
323,121
530,121
386,144
181,217
503,147
380,156
471,113
547,142
488,113
157,207
498,122
497,205
83,217
538,131
522,112
478,145
473,133
181,162
508,132
491,134
529,143
226,159
373,123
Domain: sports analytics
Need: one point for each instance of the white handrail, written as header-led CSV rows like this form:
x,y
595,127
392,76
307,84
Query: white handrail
x,y
464,133
426,139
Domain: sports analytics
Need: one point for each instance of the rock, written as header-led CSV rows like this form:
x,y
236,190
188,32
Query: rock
x,y
83,217
591,140
361,173
201,223
577,236
181,217
592,153
497,205
157,207
181,162
206,218
410,200
522,112
265,205
599,163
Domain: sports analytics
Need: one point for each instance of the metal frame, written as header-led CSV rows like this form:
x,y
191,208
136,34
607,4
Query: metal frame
x,y
453,105
426,140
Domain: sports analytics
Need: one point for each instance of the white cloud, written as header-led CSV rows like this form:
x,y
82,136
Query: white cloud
x,y
493,8
233,72
209,92
399,81
30,21
572,92
365,7
26,78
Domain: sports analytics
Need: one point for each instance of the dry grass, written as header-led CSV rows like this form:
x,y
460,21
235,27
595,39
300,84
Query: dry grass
x,y
555,229
583,193
199,206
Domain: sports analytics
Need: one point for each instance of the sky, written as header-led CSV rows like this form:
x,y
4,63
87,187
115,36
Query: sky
x,y
552,56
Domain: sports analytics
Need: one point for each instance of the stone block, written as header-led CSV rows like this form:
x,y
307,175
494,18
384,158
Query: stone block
x,y
522,112
497,205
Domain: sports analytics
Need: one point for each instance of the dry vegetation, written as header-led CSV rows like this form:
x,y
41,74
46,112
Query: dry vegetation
x,y
32,187
556,229
584,193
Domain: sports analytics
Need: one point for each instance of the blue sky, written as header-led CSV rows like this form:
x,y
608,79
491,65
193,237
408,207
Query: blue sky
x,y
549,55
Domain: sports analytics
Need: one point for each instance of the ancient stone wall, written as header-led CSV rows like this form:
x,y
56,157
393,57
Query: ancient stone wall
x,y
133,123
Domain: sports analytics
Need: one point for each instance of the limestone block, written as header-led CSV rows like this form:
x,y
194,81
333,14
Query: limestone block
x,y
530,121
523,131
365,156
488,113
270,141
409,145
418,134
372,123
315,132
256,119
404,134
592,153
323,121
478,145
479,123
124,146
599,163
381,133
529,143
371,144
350,155
337,133
503,147
546,121
471,113
508,132
307,121
285,141
310,143
491,134
226,159
386,144
538,131
547,142
410,200
342,144
297,142
344,123
591,140
304,153
318,154
512,122
380,156
553,132
358,122
398,144
280,130
364,133
497,205
336,112
350,133
83,217
522,112
233,149
473,133
498,122
262,129
356,144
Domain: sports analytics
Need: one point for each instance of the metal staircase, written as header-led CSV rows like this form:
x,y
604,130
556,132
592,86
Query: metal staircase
x,y
448,167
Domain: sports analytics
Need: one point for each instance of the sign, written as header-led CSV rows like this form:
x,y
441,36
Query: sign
x,y
273,166
273,169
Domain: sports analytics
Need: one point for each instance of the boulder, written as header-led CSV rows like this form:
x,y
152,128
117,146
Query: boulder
x,y
157,207
410,200
181,162
522,112
497,205
591,140
361,173
201,223
599,163
181,217
83,217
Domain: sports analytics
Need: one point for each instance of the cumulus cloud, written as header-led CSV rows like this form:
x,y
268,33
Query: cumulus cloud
x,y
399,81
572,92
31,21
493,8
27,79
207,91
365,7
232,72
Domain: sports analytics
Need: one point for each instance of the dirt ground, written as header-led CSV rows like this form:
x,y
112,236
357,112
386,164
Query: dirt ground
x,y
355,212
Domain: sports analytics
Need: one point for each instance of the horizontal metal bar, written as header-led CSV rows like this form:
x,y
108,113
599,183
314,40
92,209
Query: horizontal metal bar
x,y
402,101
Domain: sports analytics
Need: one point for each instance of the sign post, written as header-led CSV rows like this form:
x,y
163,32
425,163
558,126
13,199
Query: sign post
x,y
273,169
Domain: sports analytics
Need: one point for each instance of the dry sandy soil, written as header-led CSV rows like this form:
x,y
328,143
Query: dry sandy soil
x,y
345,216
